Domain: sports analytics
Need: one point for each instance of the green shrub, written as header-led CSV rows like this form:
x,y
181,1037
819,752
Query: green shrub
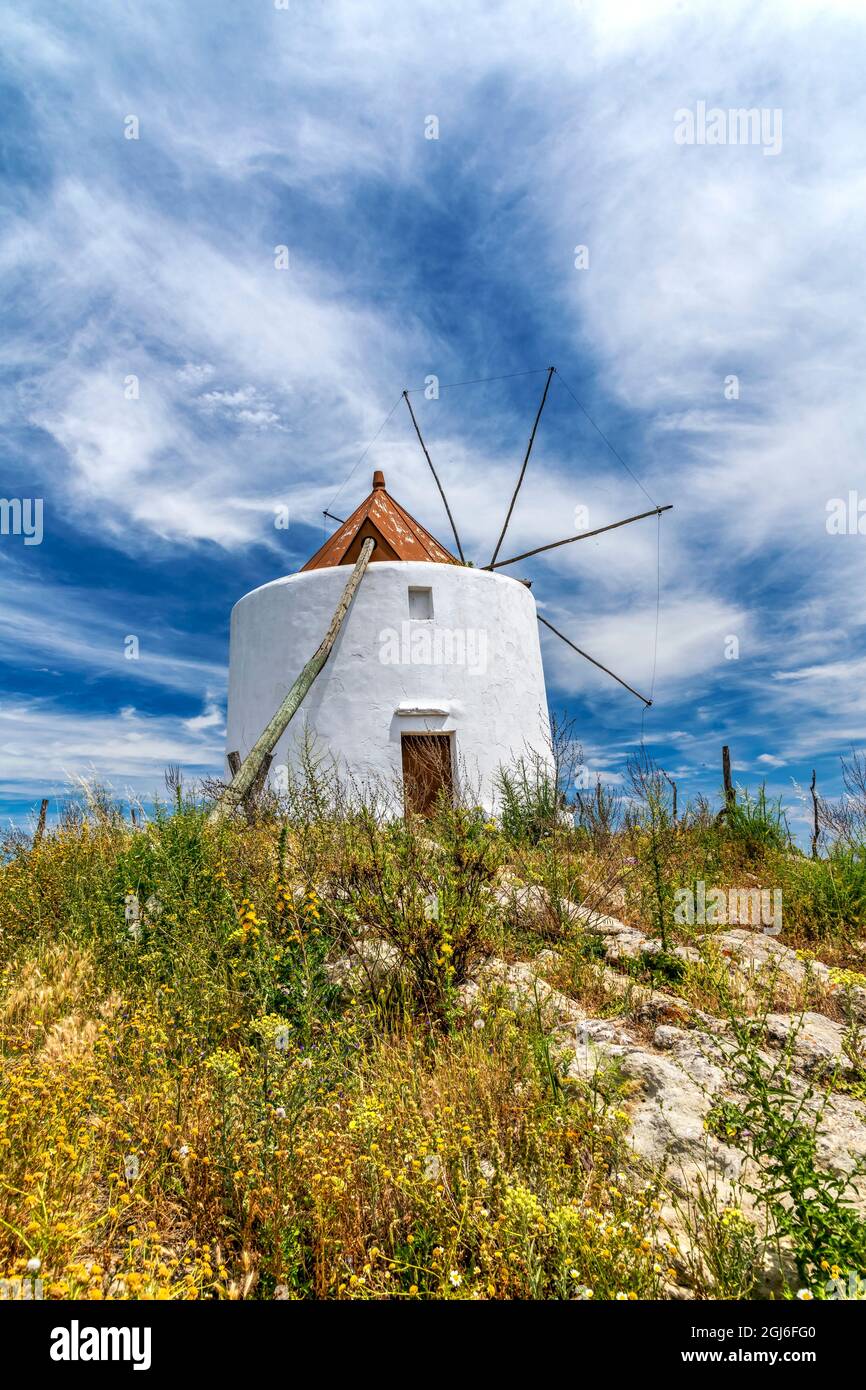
x,y
530,801
778,1125
758,824
827,896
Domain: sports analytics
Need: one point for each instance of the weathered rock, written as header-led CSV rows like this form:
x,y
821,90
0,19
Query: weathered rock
x,y
532,904
628,944
852,997
370,964
701,1055
667,1123
817,1044
651,1005
525,897
755,953
671,1086
620,939
842,1138
594,918
525,985
593,1043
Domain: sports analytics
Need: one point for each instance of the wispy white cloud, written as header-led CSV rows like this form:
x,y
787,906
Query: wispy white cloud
x,y
46,750
43,622
212,718
245,406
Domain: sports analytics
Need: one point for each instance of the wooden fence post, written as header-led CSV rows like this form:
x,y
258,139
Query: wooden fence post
x,y
815,830
234,761
673,786
40,825
726,777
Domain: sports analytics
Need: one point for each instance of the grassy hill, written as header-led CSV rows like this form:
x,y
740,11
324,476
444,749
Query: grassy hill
x,y
313,1054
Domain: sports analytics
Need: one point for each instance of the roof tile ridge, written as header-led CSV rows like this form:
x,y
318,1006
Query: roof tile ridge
x,y
415,525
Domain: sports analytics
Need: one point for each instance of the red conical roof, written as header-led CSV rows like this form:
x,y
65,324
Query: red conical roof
x,y
398,535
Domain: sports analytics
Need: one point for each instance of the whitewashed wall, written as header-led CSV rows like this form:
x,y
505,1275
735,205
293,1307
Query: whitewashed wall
x,y
490,695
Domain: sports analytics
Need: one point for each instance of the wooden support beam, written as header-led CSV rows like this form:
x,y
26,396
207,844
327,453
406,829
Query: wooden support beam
x,y
40,824
250,770
259,783
234,761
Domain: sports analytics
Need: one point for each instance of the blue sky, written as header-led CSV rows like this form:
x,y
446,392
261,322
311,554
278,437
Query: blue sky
x,y
455,257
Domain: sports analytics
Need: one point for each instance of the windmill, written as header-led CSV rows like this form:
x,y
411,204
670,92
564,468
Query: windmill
x,y
435,678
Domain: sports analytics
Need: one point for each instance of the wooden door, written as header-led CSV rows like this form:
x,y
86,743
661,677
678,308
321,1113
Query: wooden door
x,y
426,771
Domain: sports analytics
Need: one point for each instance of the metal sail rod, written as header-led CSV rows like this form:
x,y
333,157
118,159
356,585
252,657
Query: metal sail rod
x,y
331,517
606,670
435,475
550,372
582,536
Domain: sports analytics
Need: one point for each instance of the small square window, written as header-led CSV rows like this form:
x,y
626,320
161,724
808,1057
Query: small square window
x,y
420,603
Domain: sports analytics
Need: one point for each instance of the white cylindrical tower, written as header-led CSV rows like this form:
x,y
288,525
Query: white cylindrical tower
x,y
437,666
